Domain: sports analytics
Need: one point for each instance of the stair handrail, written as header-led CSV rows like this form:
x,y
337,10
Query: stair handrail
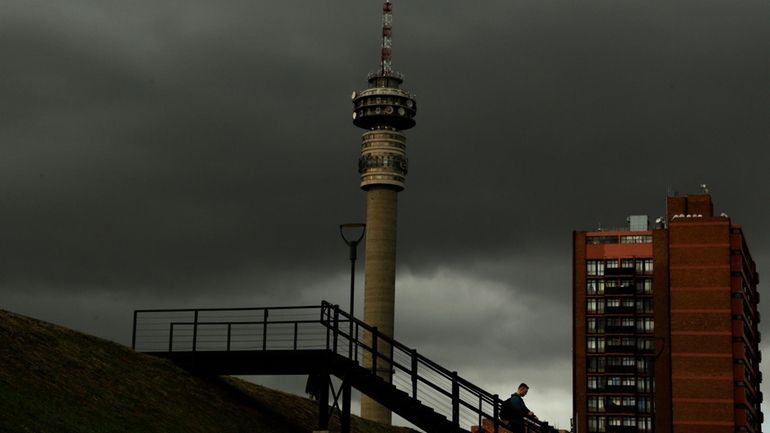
x,y
334,315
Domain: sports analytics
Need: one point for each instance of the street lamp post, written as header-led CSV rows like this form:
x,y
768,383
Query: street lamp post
x,y
352,229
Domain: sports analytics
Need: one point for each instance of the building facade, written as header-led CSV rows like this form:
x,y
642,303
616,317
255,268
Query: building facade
x,y
665,334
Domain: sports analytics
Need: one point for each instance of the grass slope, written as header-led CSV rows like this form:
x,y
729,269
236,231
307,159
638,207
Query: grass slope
x,y
53,379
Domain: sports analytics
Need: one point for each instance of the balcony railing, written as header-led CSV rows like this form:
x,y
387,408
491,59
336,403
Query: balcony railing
x,y
621,389
612,272
620,329
619,348
620,290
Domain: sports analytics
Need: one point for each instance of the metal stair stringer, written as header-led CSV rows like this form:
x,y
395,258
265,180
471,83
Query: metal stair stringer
x,y
400,402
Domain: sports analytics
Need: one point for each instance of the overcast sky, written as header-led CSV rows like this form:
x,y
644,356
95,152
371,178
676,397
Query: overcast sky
x,y
174,153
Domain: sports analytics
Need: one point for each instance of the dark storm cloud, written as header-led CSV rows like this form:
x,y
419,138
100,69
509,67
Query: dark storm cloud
x,y
150,150
164,152
589,116
175,142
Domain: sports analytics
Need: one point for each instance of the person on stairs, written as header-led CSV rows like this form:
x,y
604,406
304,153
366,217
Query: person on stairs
x,y
514,410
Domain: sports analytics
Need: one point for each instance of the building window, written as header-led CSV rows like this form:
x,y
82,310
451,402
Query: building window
x,y
646,325
622,403
612,264
622,361
644,365
594,325
644,306
595,287
636,239
595,267
627,263
596,240
644,405
613,302
595,344
644,286
646,344
645,384
597,424
629,421
595,306
596,382
626,322
644,266
596,364
645,423
595,404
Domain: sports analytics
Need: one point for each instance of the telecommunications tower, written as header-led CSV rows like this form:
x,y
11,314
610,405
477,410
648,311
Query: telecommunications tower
x,y
383,110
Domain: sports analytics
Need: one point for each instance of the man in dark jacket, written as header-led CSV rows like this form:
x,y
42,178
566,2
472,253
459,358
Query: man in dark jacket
x,y
514,410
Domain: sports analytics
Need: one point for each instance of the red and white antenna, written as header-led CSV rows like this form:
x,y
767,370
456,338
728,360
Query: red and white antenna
x,y
387,31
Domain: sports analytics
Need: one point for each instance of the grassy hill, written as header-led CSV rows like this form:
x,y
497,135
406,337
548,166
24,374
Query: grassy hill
x,y
53,379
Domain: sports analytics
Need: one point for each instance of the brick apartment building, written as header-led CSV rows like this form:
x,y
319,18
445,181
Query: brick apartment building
x,y
665,325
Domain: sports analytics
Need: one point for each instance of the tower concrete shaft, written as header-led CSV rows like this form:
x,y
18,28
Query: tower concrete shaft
x,y
379,292
383,110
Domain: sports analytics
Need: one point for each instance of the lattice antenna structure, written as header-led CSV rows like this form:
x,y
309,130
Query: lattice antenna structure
x,y
386,68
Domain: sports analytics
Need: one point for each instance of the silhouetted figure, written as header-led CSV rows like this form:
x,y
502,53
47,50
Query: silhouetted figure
x,y
514,410
314,384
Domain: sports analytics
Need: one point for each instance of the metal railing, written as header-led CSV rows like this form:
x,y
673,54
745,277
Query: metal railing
x,y
326,327
228,329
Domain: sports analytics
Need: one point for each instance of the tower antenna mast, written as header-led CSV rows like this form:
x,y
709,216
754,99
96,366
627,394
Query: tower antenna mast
x,y
387,32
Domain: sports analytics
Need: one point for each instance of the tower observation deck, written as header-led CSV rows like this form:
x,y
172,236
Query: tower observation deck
x,y
383,110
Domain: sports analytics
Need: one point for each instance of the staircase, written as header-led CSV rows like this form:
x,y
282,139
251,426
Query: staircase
x,y
400,402
320,340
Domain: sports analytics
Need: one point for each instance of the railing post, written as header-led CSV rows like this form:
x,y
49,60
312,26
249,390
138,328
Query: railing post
x,y
414,373
296,327
350,339
496,412
264,330
374,349
455,400
358,329
195,331
481,410
171,337
328,336
229,335
336,327
133,333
